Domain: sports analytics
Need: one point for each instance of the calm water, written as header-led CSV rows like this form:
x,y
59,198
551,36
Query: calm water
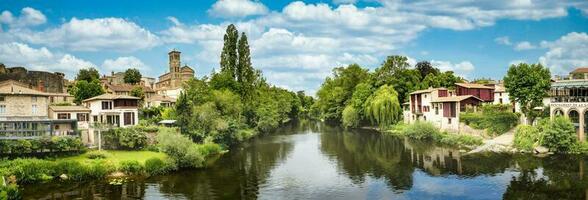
x,y
316,161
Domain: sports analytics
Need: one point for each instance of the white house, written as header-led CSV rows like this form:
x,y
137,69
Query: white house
x,y
112,109
79,113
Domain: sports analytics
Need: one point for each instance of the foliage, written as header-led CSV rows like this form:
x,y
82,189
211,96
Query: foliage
x,y
125,138
559,134
181,149
421,130
97,155
137,91
425,68
88,74
460,140
350,117
395,72
382,107
131,167
44,144
132,76
83,89
10,192
157,166
527,85
495,118
335,92
446,79
527,137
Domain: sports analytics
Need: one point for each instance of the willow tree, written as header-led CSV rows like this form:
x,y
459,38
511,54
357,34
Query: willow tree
x,y
382,107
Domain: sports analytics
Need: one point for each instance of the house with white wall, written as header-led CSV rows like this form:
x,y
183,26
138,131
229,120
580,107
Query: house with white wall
x,y
112,109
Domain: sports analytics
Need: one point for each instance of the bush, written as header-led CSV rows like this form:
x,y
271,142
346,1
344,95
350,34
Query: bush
x,y
527,137
30,170
421,130
495,118
56,143
9,192
100,169
209,149
460,140
125,138
559,135
97,155
156,166
182,150
131,167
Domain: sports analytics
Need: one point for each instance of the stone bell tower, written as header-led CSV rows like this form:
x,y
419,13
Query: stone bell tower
x,y
174,68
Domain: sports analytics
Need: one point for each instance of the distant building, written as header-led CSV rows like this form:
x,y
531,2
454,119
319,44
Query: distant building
x,y
160,100
24,114
485,93
79,113
569,97
170,84
38,80
440,107
125,89
118,78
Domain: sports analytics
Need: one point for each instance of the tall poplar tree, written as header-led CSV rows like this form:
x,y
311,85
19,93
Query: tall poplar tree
x,y
245,72
229,58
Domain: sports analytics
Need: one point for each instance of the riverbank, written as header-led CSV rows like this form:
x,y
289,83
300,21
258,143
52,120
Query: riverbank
x,y
426,131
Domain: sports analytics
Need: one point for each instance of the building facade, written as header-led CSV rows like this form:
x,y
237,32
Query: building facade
x,y
569,97
170,84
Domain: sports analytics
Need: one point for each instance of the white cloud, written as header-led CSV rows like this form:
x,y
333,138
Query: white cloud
x,y
505,40
180,33
524,45
18,54
566,53
28,17
237,8
92,35
124,63
463,68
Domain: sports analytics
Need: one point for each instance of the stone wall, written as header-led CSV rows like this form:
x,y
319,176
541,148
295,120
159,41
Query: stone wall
x,y
38,80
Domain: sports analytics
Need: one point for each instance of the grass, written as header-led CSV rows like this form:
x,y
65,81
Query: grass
x,y
426,131
117,156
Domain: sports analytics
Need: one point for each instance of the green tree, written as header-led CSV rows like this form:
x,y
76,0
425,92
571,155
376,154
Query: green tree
x,y
88,74
395,72
246,75
85,90
425,68
336,91
527,85
228,62
350,117
183,113
132,76
446,79
137,91
559,135
383,107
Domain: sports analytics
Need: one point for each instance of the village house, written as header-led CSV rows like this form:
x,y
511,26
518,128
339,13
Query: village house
x,y
159,100
125,89
112,109
569,97
170,84
79,113
440,107
24,114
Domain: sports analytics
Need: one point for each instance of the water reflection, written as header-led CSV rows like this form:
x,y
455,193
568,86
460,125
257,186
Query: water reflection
x,y
310,160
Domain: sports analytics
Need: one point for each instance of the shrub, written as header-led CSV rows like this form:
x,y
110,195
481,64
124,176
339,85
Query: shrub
x,y
156,166
131,167
527,137
495,118
559,135
30,170
9,192
125,138
97,155
209,149
73,169
182,150
421,130
460,140
56,143
100,169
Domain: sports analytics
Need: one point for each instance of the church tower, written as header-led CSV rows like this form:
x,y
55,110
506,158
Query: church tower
x,y
174,61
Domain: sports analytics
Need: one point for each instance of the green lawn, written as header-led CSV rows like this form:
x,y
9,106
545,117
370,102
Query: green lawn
x,y
116,156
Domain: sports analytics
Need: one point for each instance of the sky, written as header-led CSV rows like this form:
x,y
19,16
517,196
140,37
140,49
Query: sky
x,y
295,43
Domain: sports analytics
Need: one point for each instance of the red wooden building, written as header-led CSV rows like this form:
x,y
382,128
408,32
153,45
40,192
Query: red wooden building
x,y
486,93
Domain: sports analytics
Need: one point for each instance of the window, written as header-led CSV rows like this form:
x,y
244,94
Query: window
x,y
34,109
82,117
2,109
448,120
51,99
34,99
129,118
106,105
500,94
436,110
2,98
95,118
63,116
500,100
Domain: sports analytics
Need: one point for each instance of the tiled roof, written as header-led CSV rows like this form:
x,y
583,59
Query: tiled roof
x,y
127,87
473,85
69,108
580,70
427,90
454,98
161,98
14,87
110,97
499,88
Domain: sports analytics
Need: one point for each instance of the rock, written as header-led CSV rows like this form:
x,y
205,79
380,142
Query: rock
x,y
462,151
63,177
540,150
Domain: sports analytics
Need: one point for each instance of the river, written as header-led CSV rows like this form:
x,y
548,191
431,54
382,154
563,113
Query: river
x,y
311,160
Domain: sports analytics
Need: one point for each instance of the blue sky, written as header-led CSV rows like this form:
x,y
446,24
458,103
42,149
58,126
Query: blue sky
x,y
295,43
